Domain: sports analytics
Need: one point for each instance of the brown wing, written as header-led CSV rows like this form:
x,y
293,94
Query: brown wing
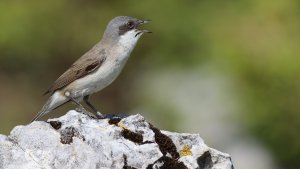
x,y
79,69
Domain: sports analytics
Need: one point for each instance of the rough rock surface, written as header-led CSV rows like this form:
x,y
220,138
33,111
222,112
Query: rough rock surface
x,y
74,141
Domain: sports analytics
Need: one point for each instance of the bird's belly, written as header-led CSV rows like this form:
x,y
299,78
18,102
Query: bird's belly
x,y
96,81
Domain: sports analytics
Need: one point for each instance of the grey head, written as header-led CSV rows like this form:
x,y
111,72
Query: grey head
x,y
124,27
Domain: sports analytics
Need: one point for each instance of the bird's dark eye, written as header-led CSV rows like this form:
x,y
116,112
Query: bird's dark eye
x,y
130,24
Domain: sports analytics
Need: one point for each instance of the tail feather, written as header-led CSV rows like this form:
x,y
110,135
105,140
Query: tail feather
x,y
39,115
45,109
56,99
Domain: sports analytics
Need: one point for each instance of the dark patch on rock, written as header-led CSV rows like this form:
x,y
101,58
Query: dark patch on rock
x,y
232,166
165,143
55,124
125,163
205,161
114,121
67,134
168,163
132,136
147,142
166,146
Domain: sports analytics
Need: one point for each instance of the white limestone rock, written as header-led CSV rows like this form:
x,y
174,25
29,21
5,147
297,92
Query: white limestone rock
x,y
74,141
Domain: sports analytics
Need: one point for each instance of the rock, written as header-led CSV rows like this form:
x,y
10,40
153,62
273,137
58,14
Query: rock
x,y
74,141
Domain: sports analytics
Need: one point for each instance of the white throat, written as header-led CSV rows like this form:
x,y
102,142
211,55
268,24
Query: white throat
x,y
129,40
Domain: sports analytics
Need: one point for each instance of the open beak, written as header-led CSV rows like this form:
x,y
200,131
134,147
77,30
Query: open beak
x,y
141,22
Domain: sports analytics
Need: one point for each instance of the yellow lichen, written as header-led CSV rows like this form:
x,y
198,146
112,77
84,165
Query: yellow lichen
x,y
121,125
185,151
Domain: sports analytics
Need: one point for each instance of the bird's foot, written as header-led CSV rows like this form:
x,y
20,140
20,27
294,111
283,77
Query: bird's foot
x,y
100,115
112,116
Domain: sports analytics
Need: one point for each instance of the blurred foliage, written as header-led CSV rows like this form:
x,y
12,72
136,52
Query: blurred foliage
x,y
256,41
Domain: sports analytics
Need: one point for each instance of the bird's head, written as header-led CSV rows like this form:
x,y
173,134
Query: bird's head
x,y
124,30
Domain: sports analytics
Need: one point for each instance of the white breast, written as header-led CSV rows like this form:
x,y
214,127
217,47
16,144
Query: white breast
x,y
108,71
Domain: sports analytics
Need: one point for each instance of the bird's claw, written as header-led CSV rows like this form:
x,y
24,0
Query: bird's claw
x,y
99,115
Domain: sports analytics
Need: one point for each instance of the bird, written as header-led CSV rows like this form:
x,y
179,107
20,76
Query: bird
x,y
97,68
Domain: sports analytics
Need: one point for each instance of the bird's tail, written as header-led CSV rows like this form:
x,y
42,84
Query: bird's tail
x,y
45,109
56,100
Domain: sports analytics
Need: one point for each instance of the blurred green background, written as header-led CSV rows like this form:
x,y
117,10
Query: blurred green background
x,y
228,70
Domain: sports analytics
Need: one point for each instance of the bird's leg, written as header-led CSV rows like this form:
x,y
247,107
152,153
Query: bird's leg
x,y
81,108
86,100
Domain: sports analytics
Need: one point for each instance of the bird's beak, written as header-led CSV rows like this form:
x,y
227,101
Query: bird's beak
x,y
146,21
143,22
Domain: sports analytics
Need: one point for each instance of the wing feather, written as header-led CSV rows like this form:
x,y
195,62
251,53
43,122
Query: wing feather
x,y
82,67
